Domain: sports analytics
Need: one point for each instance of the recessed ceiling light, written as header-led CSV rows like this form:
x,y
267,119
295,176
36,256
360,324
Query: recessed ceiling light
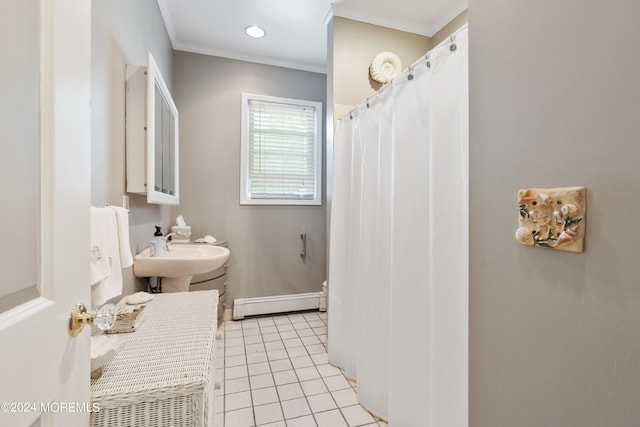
x,y
254,31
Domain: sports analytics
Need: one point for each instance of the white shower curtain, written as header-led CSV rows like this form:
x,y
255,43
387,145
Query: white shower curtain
x,y
398,278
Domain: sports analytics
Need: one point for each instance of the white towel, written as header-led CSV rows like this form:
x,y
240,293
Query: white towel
x,y
100,267
122,218
104,236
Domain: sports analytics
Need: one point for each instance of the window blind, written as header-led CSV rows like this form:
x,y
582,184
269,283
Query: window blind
x,y
282,151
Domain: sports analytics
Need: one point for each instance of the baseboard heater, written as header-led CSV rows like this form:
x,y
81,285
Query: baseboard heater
x,y
278,304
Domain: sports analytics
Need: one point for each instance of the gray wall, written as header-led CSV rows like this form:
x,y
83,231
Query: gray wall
x,y
450,28
554,101
354,46
123,31
263,240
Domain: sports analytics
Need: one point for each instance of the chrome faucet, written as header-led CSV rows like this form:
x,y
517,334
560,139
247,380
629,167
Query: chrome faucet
x,y
168,237
160,244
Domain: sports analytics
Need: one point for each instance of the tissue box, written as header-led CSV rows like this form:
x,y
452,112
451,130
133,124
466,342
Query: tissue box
x,y
186,233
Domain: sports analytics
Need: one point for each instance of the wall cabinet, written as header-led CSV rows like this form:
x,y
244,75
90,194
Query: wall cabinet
x,y
151,136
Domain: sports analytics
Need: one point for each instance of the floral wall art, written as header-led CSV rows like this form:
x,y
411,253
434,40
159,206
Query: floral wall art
x,y
552,218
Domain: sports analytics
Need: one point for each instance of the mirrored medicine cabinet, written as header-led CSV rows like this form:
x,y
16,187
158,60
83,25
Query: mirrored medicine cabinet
x,y
151,136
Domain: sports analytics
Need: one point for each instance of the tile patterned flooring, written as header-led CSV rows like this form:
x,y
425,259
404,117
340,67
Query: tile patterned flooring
x,y
274,372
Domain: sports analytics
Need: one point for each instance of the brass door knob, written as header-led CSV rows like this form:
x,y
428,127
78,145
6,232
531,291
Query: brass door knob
x,y
104,318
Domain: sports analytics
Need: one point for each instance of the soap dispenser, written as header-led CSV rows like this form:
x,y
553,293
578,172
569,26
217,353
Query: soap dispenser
x,y
158,244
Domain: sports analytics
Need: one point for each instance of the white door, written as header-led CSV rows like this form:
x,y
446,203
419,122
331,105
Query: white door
x,y
44,210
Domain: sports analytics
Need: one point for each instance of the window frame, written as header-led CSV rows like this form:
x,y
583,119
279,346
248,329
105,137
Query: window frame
x,y
245,196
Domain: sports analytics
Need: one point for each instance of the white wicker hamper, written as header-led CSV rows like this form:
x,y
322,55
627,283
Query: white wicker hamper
x,y
164,374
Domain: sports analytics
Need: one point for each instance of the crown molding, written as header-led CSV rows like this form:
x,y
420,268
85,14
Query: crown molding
x,y
313,68
328,15
168,23
344,12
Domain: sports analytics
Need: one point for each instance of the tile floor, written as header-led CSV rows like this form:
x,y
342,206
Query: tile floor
x,y
274,372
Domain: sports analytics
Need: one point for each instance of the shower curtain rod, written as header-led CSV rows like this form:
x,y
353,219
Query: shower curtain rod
x,y
450,41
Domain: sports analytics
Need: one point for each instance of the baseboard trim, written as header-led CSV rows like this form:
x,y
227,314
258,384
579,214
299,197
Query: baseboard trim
x,y
278,304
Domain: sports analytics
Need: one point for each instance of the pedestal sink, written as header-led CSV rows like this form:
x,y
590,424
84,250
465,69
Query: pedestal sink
x,y
181,263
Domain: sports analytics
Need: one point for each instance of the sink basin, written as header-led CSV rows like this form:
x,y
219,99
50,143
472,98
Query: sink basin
x,y
181,260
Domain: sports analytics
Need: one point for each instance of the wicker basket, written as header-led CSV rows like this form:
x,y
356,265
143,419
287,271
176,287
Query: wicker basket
x,y
164,374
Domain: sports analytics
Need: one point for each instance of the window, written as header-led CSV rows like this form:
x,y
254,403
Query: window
x,y
281,151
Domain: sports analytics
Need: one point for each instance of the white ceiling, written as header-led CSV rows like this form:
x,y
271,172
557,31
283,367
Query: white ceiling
x,y
296,29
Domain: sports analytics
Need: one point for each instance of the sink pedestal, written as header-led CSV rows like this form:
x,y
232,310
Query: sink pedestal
x,y
176,284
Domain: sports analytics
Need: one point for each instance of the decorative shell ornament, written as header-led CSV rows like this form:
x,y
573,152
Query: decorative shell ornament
x,y
524,236
552,218
385,66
